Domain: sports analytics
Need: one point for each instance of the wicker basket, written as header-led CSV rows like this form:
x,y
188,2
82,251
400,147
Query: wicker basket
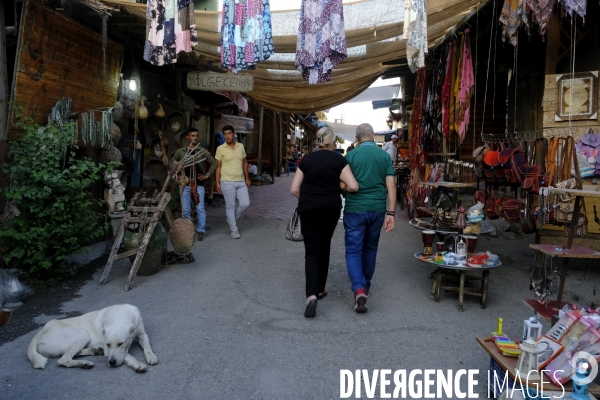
x,y
176,122
183,235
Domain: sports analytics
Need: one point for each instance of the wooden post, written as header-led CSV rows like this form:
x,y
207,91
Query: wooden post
x,y
3,105
273,143
280,142
553,42
260,135
211,143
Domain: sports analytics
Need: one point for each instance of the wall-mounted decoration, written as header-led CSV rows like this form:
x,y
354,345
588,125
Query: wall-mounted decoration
x,y
577,96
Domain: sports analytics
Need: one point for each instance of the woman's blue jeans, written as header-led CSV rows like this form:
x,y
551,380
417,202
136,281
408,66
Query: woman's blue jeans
x,y
362,239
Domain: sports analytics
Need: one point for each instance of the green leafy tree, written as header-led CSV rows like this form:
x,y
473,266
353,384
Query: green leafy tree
x,y
51,188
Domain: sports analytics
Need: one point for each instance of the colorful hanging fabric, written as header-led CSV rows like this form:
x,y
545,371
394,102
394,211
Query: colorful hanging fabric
x,y
170,29
321,43
578,6
447,90
542,12
513,15
415,33
465,87
418,152
246,35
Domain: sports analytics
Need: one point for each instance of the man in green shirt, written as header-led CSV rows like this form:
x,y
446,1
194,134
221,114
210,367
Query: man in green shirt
x,y
365,211
195,175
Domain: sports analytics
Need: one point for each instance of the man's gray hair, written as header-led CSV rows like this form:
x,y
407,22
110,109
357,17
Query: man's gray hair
x,y
364,132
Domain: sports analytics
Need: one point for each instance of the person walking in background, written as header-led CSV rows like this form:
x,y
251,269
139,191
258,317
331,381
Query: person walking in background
x,y
391,148
195,176
232,178
317,185
365,211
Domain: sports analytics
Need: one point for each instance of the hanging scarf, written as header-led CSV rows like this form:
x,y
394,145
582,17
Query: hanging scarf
x,y
465,88
542,12
578,6
418,153
321,44
170,29
447,90
513,14
415,33
246,35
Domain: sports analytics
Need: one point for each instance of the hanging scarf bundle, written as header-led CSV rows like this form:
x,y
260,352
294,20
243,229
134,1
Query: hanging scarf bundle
x,y
246,35
170,29
321,44
578,6
447,90
464,87
415,33
541,11
513,15
417,141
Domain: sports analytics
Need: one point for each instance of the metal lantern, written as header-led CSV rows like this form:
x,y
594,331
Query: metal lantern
x,y
528,360
532,329
461,222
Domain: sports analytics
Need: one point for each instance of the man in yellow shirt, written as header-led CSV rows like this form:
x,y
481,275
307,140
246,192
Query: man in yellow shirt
x,y
232,178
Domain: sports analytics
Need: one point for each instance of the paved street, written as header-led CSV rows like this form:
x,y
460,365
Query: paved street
x,y
231,325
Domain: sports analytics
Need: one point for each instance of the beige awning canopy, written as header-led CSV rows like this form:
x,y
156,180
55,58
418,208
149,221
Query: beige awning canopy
x,y
373,36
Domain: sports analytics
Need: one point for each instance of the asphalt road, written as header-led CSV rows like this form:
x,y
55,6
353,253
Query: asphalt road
x,y
231,325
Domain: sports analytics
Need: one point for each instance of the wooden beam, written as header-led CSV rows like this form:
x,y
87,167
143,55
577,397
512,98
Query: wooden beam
x,y
260,136
553,42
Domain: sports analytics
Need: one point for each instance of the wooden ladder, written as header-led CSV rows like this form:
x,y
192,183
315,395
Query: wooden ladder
x,y
156,212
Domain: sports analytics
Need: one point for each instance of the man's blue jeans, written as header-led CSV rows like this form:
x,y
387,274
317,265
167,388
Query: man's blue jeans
x,y
186,204
362,238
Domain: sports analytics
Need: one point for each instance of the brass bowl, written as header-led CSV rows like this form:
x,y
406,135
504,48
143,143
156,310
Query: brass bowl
x,y
4,316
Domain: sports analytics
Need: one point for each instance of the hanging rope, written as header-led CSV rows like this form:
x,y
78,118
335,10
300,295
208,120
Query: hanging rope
x,y
488,68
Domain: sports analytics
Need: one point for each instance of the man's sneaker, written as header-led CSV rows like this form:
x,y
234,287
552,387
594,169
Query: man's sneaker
x,y
360,301
235,234
200,236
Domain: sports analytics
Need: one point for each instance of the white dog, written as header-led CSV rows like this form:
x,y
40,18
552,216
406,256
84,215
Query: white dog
x,y
109,331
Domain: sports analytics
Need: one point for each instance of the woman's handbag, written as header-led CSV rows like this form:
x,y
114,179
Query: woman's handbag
x,y
292,231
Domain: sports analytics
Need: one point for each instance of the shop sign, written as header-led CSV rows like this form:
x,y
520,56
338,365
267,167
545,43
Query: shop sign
x,y
197,80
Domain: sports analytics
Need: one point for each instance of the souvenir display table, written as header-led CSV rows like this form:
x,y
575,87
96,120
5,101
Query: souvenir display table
x,y
459,270
501,363
485,229
566,252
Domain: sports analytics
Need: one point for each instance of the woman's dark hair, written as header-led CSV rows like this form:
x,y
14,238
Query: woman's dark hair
x,y
190,130
228,128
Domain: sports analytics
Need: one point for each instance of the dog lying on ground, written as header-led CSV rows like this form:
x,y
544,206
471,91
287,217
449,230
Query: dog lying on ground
x,y
109,331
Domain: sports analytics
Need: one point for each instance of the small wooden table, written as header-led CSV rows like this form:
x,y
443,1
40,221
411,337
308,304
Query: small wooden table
x,y
510,363
448,270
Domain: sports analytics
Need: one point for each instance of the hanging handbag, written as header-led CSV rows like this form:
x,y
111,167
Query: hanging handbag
x,y
293,231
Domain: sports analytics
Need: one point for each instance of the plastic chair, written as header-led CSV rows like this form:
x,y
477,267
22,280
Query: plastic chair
x,y
291,165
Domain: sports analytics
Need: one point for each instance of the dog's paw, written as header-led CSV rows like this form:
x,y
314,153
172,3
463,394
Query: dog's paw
x,y
151,359
141,368
87,364
98,351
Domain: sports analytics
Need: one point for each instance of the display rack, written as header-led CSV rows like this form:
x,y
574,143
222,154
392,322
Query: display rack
x,y
567,251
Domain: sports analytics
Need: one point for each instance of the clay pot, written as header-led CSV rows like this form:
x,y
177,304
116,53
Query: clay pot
x,y
154,251
4,316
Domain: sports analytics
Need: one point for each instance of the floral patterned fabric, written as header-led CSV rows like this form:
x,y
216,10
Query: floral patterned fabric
x,y
321,44
170,29
246,35
578,6
415,33
513,14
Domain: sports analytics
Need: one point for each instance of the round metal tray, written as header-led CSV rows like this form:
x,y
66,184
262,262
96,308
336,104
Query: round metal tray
x,y
485,228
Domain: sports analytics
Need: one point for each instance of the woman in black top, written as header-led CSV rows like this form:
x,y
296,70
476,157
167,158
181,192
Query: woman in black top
x,y
317,185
